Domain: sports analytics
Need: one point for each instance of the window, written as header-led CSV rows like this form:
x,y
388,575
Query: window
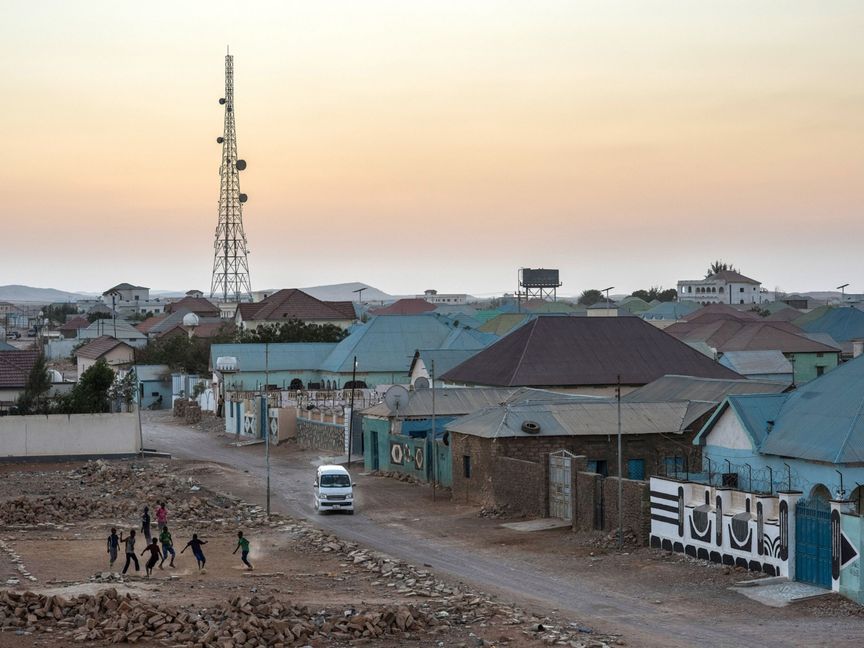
x,y
598,466
820,370
741,289
740,301
636,468
820,355
466,466
673,465
721,289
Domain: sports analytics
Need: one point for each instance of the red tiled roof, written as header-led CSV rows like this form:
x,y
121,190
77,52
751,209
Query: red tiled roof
x,y
291,303
15,367
99,347
74,324
406,307
554,351
149,323
197,305
732,335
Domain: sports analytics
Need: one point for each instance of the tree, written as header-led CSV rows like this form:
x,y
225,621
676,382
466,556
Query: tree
x,y
92,393
591,297
182,353
124,389
720,266
34,398
293,330
56,313
96,315
656,292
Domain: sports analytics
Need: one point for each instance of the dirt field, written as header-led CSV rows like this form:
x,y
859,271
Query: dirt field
x,y
54,520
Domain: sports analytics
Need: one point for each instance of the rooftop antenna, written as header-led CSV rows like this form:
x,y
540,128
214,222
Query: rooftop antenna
x,y
230,280
842,290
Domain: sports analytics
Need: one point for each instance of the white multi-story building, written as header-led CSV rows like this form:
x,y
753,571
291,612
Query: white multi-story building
x,y
725,287
127,299
433,297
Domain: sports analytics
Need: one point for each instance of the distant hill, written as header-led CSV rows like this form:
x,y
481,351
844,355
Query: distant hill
x,y
345,292
24,294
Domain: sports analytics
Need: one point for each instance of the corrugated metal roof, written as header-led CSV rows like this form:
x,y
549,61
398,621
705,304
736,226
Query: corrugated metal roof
x,y
735,335
670,311
748,363
388,342
504,323
552,351
408,306
102,327
714,390
291,303
280,356
587,418
842,324
445,359
822,421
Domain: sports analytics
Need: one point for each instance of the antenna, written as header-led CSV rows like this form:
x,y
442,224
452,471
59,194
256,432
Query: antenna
x,y
230,261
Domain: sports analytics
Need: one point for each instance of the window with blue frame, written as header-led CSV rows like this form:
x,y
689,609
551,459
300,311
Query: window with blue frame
x,y
636,469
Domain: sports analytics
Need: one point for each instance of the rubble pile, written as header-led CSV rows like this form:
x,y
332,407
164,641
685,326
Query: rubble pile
x,y
458,604
610,540
242,621
96,493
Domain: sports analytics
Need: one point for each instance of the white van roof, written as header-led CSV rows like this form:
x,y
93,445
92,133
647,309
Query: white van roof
x,y
333,469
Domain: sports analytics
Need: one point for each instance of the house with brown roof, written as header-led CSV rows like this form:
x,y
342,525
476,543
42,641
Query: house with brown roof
x,y
584,354
291,303
810,358
725,287
15,367
190,304
405,307
70,328
115,352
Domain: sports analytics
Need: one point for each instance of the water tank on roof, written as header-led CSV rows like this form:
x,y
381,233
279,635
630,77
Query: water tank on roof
x,y
191,319
55,376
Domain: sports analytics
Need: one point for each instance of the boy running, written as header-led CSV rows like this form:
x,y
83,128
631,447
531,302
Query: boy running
x,y
167,546
113,547
130,551
153,548
195,543
243,545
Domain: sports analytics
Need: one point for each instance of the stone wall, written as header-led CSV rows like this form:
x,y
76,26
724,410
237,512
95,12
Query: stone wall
x,y
521,486
321,436
636,506
589,487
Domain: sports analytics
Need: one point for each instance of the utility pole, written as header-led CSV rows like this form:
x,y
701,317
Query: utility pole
x,y
267,419
351,419
620,473
434,448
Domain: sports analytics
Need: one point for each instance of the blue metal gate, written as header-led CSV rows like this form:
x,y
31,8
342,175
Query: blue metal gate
x,y
813,542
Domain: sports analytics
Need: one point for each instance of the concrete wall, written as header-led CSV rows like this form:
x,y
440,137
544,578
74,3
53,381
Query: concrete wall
x,y
76,435
329,437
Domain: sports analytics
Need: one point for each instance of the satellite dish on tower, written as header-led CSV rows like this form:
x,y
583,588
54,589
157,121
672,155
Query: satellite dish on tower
x,y
243,198
222,101
241,165
219,140
396,398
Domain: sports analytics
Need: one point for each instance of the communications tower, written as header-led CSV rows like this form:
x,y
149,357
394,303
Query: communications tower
x,y
230,281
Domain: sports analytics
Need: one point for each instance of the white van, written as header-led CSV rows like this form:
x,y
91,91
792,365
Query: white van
x,y
333,490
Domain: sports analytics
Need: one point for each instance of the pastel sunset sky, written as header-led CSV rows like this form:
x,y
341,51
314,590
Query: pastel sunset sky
x,y
415,145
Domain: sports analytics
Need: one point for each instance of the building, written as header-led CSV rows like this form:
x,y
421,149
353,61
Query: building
x,y
810,358
441,360
116,353
583,354
126,299
725,287
289,304
759,365
154,386
433,297
843,324
194,304
416,306
15,368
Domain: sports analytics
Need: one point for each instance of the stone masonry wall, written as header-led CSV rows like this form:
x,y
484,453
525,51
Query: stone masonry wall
x,y
521,486
320,436
636,507
588,488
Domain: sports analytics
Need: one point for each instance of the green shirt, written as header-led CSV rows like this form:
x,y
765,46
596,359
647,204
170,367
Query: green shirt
x,y
165,538
243,543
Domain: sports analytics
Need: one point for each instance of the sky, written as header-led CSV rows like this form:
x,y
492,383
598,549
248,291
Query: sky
x,y
415,145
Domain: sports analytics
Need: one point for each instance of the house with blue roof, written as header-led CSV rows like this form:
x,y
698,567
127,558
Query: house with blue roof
x,y
248,367
843,324
811,439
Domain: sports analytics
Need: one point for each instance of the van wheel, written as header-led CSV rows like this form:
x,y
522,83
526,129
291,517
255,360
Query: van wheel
x,y
351,512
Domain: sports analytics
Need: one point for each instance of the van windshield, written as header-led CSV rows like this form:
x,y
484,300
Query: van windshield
x,y
335,481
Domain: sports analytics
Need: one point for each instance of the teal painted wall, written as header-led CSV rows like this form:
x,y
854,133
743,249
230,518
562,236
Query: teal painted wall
x,y
805,365
375,434
377,442
851,577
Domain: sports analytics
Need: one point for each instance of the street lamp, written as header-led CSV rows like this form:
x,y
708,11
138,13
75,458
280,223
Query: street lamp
x,y
606,290
842,290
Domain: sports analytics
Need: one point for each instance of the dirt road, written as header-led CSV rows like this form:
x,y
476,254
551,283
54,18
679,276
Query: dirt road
x,y
658,608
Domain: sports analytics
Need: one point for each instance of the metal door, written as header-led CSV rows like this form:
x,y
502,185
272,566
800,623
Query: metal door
x,y
560,501
813,542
